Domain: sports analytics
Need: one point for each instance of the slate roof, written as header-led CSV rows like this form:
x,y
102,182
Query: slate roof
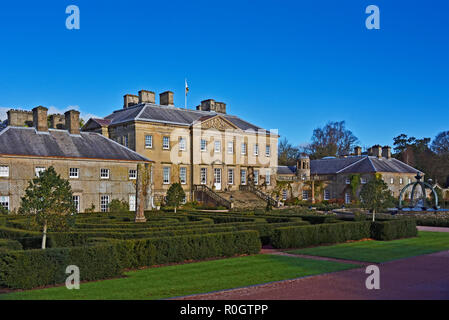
x,y
286,169
60,143
363,164
173,115
102,122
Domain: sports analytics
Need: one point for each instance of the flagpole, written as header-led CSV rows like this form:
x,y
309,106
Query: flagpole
x,y
185,93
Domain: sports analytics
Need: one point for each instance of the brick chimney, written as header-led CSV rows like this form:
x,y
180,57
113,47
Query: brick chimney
x,y
358,151
40,120
57,121
20,118
72,121
166,98
147,97
130,100
386,152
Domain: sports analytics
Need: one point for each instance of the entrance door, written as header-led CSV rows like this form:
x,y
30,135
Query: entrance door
x,y
217,179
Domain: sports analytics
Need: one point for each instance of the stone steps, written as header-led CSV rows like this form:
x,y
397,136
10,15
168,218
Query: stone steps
x,y
243,199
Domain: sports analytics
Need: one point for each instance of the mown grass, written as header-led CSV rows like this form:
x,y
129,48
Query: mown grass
x,y
187,279
381,251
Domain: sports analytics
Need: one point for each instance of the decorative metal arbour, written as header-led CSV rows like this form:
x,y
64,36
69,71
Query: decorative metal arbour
x,y
420,185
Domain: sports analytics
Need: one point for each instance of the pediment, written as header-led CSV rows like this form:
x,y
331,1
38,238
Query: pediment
x,y
217,122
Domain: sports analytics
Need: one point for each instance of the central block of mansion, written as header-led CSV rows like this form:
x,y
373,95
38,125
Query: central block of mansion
x,y
205,146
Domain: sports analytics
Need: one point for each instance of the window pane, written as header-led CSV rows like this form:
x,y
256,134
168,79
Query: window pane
x,y
203,145
182,144
166,143
148,141
217,146
243,177
4,171
4,202
230,147
183,175
166,178
203,175
104,203
231,176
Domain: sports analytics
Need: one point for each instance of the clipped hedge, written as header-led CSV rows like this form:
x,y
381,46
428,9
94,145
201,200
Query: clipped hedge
x,y
304,236
433,221
147,252
394,229
6,244
32,268
313,235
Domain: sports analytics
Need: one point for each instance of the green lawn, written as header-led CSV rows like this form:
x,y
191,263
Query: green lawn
x,y
381,251
199,277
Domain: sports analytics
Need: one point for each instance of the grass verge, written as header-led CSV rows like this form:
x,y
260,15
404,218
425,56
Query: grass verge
x,y
382,251
187,279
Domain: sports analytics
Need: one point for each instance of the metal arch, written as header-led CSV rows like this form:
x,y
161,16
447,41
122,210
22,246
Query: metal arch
x,y
435,195
402,193
423,188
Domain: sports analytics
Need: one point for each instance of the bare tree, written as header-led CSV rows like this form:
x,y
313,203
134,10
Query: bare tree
x,y
331,140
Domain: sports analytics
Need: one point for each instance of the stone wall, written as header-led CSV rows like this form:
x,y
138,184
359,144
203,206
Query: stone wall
x,y
88,186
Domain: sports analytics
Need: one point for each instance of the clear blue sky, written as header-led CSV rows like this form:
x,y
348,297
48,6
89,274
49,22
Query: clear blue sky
x,y
290,65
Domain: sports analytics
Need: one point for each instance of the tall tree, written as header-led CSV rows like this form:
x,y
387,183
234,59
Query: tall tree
x,y
432,160
287,153
440,145
331,140
48,201
376,196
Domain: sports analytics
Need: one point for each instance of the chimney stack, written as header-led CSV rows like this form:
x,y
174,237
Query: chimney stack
x,y
386,152
211,105
40,121
57,121
377,151
20,118
130,100
358,151
72,121
147,97
166,98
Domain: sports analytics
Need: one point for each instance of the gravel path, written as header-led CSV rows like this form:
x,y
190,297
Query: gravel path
x,y
422,277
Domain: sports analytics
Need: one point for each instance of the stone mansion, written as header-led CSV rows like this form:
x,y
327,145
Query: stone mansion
x,y
212,154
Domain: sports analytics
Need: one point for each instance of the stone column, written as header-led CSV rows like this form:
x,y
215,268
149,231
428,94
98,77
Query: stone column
x,y
142,180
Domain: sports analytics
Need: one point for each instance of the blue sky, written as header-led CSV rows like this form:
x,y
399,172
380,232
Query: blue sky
x,y
290,65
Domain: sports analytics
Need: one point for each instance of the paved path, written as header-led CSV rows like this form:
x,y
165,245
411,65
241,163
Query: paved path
x,y
422,277
436,229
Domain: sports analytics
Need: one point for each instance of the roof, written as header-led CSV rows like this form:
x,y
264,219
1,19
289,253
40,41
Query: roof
x,y
355,164
286,169
168,114
102,122
56,143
